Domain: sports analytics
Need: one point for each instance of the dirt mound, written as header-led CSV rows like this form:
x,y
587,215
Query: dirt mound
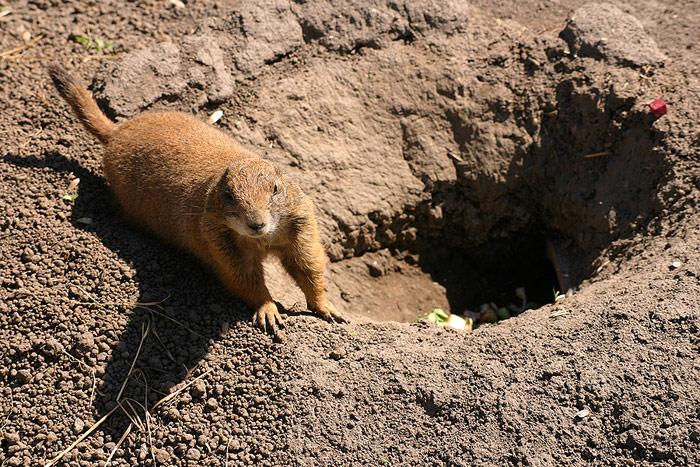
x,y
603,31
453,153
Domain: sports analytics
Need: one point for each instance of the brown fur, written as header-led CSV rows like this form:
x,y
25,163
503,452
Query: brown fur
x,y
193,186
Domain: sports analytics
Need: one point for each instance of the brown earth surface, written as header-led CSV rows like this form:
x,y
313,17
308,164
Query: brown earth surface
x,y
445,145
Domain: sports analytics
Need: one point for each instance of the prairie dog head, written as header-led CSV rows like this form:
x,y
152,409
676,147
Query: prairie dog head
x,y
253,197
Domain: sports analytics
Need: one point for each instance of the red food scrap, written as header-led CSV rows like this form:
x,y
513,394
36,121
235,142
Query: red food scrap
x,y
658,107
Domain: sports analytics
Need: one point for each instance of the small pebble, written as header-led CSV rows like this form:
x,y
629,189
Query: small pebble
x,y
162,456
78,425
193,454
583,414
212,403
337,354
375,269
24,376
12,438
199,390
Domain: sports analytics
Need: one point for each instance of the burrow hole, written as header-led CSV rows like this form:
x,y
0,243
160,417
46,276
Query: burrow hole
x,y
488,283
592,176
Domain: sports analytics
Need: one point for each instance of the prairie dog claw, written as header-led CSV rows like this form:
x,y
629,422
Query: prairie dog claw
x,y
329,313
268,319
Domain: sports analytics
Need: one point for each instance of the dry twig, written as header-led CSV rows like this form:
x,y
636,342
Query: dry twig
x,y
9,53
597,154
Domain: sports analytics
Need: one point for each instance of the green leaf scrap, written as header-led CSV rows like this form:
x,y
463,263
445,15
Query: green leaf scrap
x,y
98,44
556,293
437,316
86,42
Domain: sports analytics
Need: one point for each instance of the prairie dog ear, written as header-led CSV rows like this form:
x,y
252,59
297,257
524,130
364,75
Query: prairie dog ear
x,y
223,181
230,172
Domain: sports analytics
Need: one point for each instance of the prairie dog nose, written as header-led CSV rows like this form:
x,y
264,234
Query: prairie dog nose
x,y
256,226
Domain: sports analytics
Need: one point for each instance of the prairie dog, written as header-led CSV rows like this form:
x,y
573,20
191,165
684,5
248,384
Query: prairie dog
x,y
194,187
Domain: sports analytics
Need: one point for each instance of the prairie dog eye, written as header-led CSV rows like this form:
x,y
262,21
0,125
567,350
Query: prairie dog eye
x,y
274,192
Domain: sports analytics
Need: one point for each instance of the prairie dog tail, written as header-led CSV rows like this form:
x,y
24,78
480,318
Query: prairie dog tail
x,y
82,104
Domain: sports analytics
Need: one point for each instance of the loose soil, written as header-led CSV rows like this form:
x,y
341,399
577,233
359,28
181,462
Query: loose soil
x,y
446,145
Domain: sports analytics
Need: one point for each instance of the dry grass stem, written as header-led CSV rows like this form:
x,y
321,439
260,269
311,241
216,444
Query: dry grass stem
x,y
148,418
122,304
10,52
80,438
88,368
119,443
154,303
7,418
163,315
227,445
134,415
138,352
85,292
94,386
597,154
32,58
145,305
127,406
175,393
167,352
24,145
